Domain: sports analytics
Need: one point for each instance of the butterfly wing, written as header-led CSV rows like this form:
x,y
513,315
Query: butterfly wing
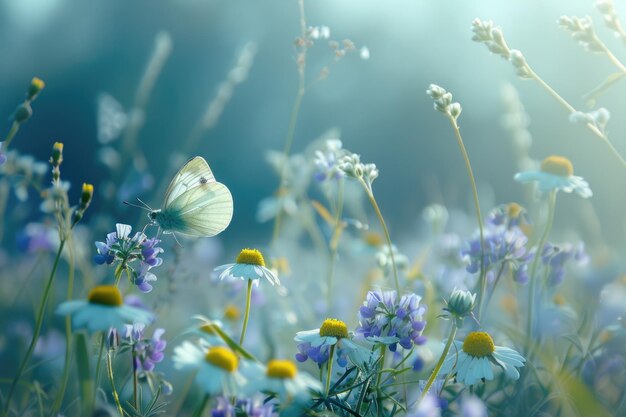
x,y
194,173
195,204
202,211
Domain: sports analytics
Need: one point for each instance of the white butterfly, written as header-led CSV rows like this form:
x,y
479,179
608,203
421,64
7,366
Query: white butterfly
x,y
111,118
195,203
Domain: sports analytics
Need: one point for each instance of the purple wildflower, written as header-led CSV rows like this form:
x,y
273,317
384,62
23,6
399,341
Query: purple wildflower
x,y
383,319
254,407
120,247
505,250
146,352
327,161
556,257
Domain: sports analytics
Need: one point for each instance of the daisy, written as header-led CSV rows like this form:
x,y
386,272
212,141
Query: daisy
x,y
103,309
280,377
471,360
217,367
556,173
316,345
248,265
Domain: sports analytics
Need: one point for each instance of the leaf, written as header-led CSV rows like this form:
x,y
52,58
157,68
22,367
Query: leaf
x,y
591,97
84,373
323,212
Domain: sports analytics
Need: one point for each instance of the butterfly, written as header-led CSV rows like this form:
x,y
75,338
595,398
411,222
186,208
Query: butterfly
x,y
195,203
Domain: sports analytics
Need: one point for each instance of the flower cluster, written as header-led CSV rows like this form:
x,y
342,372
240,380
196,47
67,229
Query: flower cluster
x,y
443,101
120,248
611,19
581,30
493,38
351,166
555,258
327,161
146,352
384,319
504,251
598,118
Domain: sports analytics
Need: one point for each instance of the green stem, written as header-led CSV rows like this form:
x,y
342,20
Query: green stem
x,y
36,330
370,195
116,397
15,126
98,367
329,369
383,351
442,358
135,402
532,287
571,109
200,409
68,335
246,315
470,173
295,111
334,244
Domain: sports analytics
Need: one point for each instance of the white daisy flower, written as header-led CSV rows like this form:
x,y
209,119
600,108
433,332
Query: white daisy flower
x,y
556,173
472,360
315,345
217,367
102,310
280,377
248,265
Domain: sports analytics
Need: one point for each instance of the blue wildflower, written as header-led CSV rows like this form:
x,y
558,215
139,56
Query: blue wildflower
x,y
327,161
120,247
146,352
384,320
505,250
554,258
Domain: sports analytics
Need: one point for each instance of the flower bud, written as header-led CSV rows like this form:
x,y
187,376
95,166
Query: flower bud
x,y
36,85
460,304
455,110
113,338
22,113
517,59
57,154
86,196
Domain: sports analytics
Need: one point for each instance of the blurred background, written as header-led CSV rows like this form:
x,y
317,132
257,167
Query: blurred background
x,y
83,50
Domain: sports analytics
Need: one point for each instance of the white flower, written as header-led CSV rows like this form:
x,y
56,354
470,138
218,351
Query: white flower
x,y
556,174
217,367
472,360
248,265
103,309
280,377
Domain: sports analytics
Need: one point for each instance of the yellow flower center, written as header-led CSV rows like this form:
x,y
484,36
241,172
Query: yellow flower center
x,y
58,146
478,344
231,312
514,210
559,300
37,83
373,239
222,357
509,303
557,165
334,328
106,295
282,369
251,257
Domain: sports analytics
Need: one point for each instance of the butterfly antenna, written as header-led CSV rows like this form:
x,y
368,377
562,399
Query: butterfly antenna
x,y
144,204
